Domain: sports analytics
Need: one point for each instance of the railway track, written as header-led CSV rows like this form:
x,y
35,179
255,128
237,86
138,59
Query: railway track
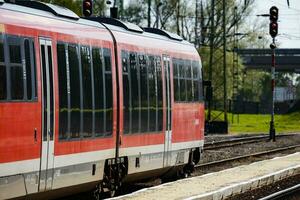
x,y
238,158
283,193
238,141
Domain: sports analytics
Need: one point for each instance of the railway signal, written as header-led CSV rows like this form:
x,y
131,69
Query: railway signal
x,y
87,8
273,32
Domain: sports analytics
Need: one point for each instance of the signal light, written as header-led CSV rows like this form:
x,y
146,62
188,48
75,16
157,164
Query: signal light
x,y
274,14
273,21
87,8
273,29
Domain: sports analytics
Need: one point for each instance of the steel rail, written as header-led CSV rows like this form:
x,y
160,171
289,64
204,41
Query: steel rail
x,y
246,156
238,141
282,193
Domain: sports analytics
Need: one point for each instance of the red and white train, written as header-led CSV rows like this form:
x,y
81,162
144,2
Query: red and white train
x,y
91,103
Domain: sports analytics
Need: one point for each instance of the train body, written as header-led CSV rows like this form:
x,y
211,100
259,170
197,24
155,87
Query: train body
x,y
88,103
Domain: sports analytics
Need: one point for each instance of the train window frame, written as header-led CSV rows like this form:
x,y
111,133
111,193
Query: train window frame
x,y
137,61
98,50
177,62
16,40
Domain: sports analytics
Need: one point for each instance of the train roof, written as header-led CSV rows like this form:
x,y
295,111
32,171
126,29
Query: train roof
x,y
64,14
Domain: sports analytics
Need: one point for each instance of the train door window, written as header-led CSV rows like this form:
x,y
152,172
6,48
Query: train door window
x,y
196,81
63,80
126,94
189,80
158,66
144,91
182,83
176,80
134,79
86,75
108,92
98,74
30,69
16,68
75,90
3,85
152,80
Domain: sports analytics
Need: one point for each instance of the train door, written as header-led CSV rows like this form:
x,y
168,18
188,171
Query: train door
x,y
168,133
47,147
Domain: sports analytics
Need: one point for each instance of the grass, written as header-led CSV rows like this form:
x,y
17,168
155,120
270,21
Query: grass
x,y
253,123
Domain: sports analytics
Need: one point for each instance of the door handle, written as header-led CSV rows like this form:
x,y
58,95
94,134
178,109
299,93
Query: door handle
x,y
35,135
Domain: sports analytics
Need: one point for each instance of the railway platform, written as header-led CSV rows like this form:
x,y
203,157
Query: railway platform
x,y
226,183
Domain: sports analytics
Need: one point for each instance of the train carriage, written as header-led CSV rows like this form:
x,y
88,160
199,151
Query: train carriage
x,y
91,103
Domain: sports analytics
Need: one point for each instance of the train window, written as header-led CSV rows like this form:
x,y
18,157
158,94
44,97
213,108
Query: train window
x,y
176,80
152,80
135,103
144,91
98,74
63,91
16,69
3,92
86,74
75,91
108,92
28,69
189,81
159,126
182,83
126,94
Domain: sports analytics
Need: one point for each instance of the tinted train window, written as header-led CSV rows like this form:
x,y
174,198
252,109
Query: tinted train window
x,y
108,92
63,79
159,94
17,68
85,89
176,80
182,79
152,80
189,81
3,92
135,103
98,91
126,94
86,74
142,93
75,91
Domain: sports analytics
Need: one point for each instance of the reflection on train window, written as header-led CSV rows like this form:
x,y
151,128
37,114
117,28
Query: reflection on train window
x,y
3,90
17,68
98,91
187,80
75,91
85,89
108,92
86,73
142,93
63,92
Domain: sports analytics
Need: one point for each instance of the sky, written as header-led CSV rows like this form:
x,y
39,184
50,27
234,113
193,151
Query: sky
x,y
288,20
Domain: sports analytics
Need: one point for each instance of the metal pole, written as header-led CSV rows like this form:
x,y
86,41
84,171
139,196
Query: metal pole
x,y
212,32
224,61
272,126
149,13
